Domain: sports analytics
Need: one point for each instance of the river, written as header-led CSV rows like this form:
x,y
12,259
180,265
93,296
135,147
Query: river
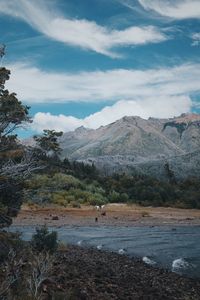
x,y
175,248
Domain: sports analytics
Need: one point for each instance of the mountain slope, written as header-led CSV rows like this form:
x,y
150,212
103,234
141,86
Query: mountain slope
x,y
135,144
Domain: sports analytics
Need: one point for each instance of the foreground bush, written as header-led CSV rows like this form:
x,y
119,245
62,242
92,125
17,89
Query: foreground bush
x,y
43,240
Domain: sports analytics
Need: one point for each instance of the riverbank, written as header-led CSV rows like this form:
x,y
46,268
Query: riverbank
x,y
85,273
112,214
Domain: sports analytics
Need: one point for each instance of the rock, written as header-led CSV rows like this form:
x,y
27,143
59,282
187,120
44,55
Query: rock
x,y
87,273
55,218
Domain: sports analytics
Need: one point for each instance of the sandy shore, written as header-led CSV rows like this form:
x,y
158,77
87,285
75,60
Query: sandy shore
x,y
112,214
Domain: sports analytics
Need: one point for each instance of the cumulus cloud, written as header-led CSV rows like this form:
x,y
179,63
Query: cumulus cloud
x,y
163,107
34,85
82,33
176,9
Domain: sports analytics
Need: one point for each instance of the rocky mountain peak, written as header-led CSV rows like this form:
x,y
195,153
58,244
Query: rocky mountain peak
x,y
187,118
81,129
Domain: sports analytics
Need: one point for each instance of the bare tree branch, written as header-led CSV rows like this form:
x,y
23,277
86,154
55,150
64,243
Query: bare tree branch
x,y
23,169
40,268
12,269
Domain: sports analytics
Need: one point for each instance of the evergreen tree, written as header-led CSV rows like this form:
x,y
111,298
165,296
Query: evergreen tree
x,y
12,161
48,143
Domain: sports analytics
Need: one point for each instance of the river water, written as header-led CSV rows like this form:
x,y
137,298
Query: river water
x,y
177,248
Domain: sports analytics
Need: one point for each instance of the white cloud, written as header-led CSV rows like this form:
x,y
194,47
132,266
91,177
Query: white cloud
x,y
82,33
176,9
196,39
163,107
37,86
60,123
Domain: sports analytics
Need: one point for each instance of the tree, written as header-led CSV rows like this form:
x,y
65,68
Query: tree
x,y
15,160
48,143
12,112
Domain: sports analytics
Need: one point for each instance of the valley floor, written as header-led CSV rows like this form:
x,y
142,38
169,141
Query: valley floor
x,y
111,214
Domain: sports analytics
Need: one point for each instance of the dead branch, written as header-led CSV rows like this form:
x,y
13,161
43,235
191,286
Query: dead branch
x,y
12,270
22,170
40,268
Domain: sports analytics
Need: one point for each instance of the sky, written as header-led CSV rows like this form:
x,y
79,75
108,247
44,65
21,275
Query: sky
x,y
91,62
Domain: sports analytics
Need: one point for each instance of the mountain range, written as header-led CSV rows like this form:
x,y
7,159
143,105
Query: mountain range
x,y
156,147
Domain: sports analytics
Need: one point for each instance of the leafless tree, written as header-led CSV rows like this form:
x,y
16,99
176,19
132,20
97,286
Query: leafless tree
x,y
12,270
40,269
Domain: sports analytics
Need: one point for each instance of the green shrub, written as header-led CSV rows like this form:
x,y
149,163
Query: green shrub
x,y
43,240
114,197
37,181
96,199
45,183
64,181
95,189
69,198
75,204
60,202
124,197
80,194
59,198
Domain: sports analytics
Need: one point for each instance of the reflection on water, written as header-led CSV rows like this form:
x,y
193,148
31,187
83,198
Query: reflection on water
x,y
177,250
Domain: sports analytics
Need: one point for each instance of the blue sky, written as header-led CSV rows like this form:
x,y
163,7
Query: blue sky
x,y
89,63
